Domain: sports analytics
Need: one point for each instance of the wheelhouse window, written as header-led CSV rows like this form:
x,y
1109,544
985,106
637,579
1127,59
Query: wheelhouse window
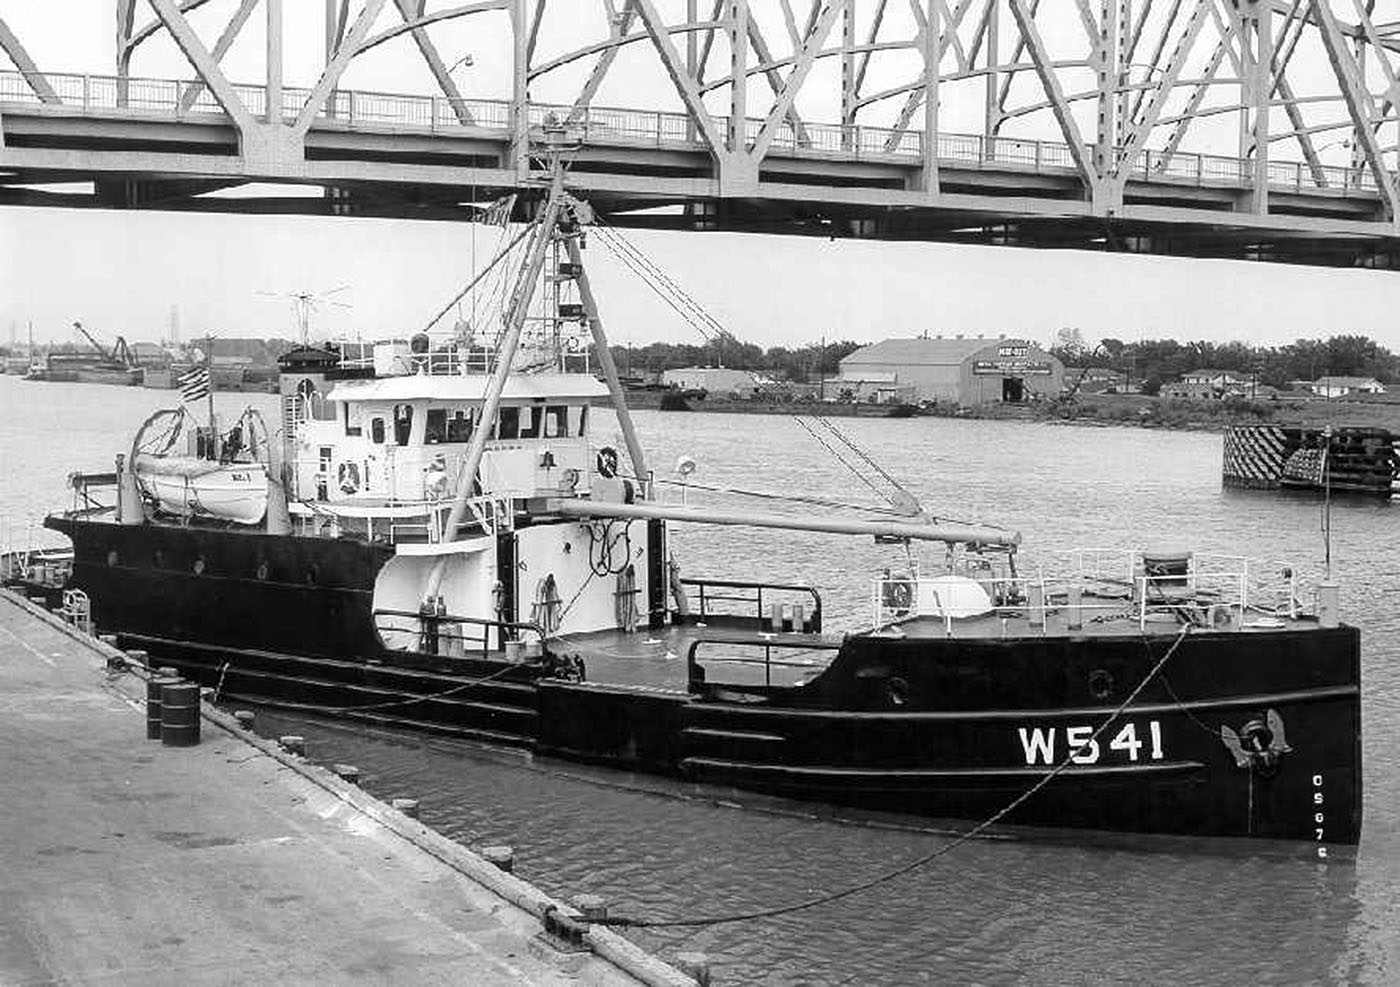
x,y
508,423
530,422
459,426
376,430
556,421
403,423
583,420
435,426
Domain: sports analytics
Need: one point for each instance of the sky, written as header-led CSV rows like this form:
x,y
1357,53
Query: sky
x,y
124,272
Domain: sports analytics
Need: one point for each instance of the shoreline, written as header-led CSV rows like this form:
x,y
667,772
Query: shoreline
x,y
1095,411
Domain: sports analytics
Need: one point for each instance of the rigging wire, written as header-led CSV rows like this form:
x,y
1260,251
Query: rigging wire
x,y
693,313
654,270
646,279
762,913
836,454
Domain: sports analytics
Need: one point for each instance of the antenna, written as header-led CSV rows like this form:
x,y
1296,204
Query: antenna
x,y
306,302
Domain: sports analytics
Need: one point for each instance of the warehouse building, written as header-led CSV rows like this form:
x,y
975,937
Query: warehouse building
x,y
963,370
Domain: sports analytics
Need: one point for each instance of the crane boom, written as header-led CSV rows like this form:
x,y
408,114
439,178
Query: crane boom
x,y
93,340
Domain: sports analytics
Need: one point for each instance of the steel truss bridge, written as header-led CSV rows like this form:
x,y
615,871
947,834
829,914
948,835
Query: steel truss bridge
x,y
1262,129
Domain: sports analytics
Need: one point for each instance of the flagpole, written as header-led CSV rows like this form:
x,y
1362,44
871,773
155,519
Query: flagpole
x,y
209,372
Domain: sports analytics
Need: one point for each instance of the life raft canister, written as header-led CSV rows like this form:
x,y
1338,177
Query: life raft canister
x,y
349,476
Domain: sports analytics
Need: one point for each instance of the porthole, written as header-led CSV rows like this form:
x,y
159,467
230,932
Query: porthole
x,y
158,559
199,565
312,574
262,570
112,557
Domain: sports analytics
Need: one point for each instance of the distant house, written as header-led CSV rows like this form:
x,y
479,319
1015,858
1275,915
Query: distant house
x,y
1216,378
1180,390
718,381
1096,380
1335,387
869,387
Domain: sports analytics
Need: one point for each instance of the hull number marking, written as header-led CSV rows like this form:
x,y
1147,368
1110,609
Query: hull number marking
x,y
1319,817
1130,743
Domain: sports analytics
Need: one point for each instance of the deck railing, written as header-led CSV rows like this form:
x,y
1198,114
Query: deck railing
x,y
141,98
450,635
1219,591
766,603
808,656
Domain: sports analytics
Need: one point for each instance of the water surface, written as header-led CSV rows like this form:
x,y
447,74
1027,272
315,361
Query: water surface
x,y
991,911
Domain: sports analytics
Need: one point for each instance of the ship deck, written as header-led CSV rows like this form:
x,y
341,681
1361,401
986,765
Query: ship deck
x,y
653,659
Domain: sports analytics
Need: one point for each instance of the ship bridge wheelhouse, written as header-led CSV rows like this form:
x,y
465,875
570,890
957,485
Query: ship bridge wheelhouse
x,y
403,439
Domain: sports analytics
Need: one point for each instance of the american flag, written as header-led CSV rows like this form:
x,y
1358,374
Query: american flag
x,y
194,383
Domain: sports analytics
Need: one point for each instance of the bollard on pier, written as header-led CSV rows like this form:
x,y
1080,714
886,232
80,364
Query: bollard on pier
x,y
293,744
244,717
696,966
408,807
347,772
591,907
502,857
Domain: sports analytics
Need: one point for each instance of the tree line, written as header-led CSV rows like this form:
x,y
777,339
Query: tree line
x,y
802,363
1154,362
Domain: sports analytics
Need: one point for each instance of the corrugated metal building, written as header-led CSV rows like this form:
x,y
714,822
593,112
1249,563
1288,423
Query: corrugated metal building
x,y
964,370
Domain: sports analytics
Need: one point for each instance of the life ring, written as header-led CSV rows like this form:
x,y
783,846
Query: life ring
x,y
349,476
607,462
898,595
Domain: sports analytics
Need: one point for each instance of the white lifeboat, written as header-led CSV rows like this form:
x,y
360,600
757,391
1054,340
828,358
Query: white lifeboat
x,y
188,486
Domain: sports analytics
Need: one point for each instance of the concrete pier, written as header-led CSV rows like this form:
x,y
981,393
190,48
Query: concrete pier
x,y
125,861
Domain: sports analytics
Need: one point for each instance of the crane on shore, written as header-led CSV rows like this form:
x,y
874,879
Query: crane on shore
x,y
120,354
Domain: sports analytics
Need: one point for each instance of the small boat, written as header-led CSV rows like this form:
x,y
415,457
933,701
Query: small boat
x,y
448,544
222,482
184,486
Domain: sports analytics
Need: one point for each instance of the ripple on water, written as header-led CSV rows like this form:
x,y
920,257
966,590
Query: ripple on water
x,y
991,912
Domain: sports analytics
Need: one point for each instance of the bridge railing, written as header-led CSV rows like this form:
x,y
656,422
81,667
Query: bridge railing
x,y
356,109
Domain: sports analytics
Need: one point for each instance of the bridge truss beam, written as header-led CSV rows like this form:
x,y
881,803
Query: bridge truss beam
x,y
1259,128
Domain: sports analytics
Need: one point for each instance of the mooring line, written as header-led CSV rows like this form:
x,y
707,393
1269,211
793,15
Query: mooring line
x,y
623,921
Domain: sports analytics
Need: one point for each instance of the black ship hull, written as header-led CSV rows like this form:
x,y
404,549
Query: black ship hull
x,y
953,729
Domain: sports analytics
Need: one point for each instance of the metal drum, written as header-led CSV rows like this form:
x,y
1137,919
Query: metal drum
x,y
179,714
154,687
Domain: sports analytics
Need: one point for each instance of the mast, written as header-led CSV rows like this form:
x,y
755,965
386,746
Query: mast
x,y
505,355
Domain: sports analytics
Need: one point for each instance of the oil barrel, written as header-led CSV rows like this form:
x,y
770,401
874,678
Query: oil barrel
x,y
179,714
154,687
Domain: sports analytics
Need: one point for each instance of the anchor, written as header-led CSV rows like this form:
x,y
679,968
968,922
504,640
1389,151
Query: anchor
x,y
1259,745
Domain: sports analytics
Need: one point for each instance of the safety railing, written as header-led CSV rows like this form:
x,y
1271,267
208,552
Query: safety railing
x,y
756,662
432,630
771,605
355,109
1220,591
396,356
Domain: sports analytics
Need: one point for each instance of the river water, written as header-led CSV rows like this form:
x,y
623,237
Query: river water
x,y
992,911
